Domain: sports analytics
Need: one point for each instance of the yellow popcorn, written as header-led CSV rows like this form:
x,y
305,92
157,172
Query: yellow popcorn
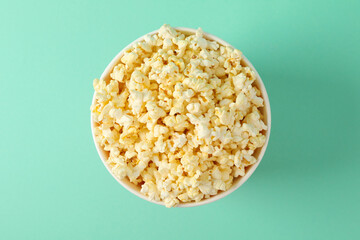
x,y
118,73
129,58
154,111
179,141
179,117
193,108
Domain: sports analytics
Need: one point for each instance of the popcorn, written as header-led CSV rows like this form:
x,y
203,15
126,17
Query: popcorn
x,y
118,73
179,141
167,32
129,58
179,117
125,120
193,108
160,130
154,111
239,81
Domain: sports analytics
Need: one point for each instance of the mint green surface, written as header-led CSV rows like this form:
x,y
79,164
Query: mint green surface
x,y
53,184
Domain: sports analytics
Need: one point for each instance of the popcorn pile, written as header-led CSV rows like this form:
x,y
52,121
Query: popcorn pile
x,y
179,117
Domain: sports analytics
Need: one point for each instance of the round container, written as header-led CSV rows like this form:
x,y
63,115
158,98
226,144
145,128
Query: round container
x,y
258,154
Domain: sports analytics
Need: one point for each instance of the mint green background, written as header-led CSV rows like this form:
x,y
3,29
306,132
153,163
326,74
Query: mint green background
x,y
53,184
